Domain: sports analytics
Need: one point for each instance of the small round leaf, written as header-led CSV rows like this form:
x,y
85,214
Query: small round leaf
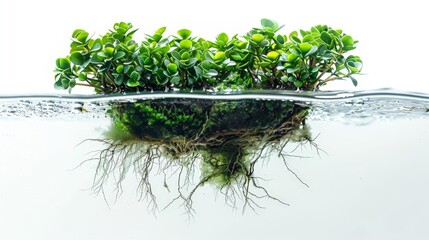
x,y
184,33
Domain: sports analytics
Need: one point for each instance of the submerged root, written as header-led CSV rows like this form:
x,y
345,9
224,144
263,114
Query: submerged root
x,y
229,166
225,159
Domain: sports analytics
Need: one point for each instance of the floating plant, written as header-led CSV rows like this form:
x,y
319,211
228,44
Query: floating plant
x,y
223,139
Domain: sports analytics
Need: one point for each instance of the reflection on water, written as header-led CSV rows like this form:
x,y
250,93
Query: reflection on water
x,y
365,179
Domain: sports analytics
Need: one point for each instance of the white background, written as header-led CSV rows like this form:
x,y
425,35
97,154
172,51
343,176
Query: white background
x,y
392,34
371,186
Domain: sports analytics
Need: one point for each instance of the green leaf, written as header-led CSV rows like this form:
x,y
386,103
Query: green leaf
x,y
77,58
212,73
280,39
242,44
312,50
293,36
96,47
120,68
326,37
109,51
185,56
82,76
175,55
156,37
63,63
206,65
118,55
184,33
186,44
354,67
267,23
295,39
77,32
258,37
265,64
160,30
347,41
297,84
72,83
219,56
308,38
65,82
236,57
102,55
59,85
305,47
80,35
134,79
264,43
272,55
292,57
222,37
175,80
128,69
354,81
172,68
119,79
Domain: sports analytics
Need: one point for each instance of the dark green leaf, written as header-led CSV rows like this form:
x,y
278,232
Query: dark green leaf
x,y
354,81
77,58
280,39
175,80
295,39
82,76
63,63
119,79
326,37
72,83
297,84
59,85
118,55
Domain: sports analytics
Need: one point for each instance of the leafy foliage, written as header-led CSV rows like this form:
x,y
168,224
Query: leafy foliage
x,y
262,58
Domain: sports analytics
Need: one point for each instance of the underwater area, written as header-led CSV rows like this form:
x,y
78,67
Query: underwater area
x,y
330,165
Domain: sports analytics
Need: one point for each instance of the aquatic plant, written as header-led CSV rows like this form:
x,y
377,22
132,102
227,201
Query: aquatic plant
x,y
223,140
261,59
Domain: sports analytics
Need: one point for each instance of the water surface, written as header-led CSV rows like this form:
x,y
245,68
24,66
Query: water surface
x,y
367,181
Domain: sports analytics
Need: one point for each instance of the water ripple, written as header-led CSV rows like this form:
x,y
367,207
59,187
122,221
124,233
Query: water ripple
x,y
362,106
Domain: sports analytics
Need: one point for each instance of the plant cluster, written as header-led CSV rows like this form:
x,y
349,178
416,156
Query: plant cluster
x,y
261,59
